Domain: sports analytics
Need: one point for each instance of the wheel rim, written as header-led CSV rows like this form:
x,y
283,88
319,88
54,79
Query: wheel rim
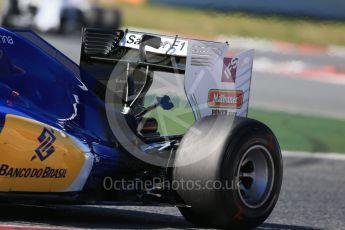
x,y
255,176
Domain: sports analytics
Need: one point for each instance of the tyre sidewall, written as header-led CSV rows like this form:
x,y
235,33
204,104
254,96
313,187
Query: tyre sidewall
x,y
250,136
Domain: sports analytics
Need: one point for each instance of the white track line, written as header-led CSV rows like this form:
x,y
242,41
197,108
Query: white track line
x,y
323,156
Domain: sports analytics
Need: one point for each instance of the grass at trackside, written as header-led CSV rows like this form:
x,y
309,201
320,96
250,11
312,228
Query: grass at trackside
x,y
304,133
210,24
294,132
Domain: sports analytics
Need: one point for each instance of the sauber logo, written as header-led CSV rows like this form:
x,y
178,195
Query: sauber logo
x,y
229,70
225,99
46,147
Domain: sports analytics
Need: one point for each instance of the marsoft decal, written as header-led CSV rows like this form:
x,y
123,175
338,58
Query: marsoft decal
x,y
231,99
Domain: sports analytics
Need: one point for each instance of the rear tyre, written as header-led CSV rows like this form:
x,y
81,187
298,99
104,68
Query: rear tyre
x,y
237,186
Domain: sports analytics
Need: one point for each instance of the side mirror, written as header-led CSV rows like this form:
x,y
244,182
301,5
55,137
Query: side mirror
x,y
165,102
148,40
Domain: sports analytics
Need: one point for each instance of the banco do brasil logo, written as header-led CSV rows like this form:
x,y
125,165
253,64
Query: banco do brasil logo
x,y
46,148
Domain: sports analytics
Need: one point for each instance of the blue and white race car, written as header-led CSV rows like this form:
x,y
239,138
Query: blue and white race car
x,y
145,119
58,16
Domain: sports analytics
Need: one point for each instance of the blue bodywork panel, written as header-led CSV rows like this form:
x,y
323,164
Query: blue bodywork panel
x,y
40,83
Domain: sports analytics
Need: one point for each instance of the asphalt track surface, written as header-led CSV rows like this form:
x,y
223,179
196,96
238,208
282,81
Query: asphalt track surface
x,y
312,198
313,189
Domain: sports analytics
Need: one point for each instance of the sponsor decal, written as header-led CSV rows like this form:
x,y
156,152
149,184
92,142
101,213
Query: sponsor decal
x,y
7,40
219,112
229,70
231,99
46,148
57,163
169,45
47,172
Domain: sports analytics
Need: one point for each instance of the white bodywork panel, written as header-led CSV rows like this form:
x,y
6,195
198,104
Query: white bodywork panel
x,y
216,84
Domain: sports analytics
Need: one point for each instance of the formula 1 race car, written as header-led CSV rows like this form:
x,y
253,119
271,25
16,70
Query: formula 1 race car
x,y
59,16
145,119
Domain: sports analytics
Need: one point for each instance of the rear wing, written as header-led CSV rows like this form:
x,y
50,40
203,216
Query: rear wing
x,y
215,82
111,46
